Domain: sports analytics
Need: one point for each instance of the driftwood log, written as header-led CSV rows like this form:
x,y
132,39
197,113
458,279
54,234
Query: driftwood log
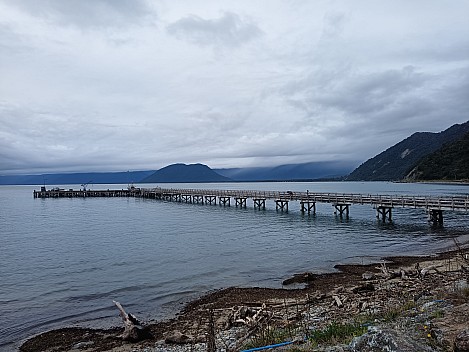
x,y
304,278
134,331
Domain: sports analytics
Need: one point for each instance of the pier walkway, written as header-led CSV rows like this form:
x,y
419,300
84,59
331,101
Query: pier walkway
x,y
433,205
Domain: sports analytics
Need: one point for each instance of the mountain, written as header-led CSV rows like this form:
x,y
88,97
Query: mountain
x,y
396,162
451,162
185,173
290,172
75,178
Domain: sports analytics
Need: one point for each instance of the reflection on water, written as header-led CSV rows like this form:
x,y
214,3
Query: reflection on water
x,y
65,260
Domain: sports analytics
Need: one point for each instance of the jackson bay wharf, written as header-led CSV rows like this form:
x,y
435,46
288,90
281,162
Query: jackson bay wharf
x,y
433,205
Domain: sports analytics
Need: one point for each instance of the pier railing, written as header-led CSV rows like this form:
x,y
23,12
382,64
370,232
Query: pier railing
x,y
426,202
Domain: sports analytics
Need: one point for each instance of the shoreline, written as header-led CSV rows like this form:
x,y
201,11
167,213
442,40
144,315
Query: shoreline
x,y
190,317
437,182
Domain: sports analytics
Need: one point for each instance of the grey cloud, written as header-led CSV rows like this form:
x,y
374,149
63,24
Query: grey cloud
x,y
453,50
333,24
389,103
83,13
350,93
371,93
451,97
227,30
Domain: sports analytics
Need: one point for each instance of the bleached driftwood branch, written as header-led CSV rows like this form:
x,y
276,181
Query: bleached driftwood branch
x,y
133,330
428,268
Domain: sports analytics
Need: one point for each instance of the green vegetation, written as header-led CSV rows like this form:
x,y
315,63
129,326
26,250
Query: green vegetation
x,y
333,333
271,336
448,163
336,333
389,314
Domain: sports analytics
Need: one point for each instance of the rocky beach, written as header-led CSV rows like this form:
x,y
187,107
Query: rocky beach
x,y
399,304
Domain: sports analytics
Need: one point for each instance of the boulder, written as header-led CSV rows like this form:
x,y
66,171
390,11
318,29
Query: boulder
x,y
368,275
377,340
177,337
461,342
368,287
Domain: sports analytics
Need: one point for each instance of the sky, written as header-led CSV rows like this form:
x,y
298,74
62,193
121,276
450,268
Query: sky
x,y
117,85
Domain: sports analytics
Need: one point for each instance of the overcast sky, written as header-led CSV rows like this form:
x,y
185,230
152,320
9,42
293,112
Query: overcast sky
x,y
116,85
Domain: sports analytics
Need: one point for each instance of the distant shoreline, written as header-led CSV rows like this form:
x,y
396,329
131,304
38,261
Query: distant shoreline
x,y
439,182
432,182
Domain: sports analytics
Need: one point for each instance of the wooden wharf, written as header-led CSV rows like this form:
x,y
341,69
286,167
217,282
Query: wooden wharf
x,y
433,205
70,193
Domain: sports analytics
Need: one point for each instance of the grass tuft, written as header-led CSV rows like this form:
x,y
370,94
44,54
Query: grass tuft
x,y
336,333
269,336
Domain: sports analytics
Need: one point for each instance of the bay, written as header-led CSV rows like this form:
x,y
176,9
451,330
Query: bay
x,y
63,261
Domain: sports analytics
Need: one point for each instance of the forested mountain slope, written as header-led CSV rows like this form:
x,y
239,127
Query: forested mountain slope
x,y
395,163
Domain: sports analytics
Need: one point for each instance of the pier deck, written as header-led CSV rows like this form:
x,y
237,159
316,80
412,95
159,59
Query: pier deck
x,y
424,202
434,205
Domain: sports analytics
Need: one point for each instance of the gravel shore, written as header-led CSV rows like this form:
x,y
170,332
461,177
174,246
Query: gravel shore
x,y
411,301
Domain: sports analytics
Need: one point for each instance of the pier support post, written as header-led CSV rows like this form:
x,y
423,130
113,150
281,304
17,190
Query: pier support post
x,y
211,200
384,212
341,208
225,201
281,204
176,197
241,201
259,203
307,205
435,216
187,198
198,198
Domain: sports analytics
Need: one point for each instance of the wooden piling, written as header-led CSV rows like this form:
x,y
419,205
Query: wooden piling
x,y
241,201
341,208
385,212
198,198
259,203
210,199
281,204
435,216
225,201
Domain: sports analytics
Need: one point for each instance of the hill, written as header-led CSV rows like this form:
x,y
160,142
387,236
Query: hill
x,y
185,173
396,162
451,162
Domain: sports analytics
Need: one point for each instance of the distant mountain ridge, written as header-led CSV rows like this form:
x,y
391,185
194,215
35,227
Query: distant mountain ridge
x,y
76,178
397,161
177,173
291,172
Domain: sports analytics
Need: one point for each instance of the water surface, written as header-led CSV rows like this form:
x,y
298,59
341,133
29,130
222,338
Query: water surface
x,y
63,261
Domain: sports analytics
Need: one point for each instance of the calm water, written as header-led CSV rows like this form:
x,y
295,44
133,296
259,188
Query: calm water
x,y
63,261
